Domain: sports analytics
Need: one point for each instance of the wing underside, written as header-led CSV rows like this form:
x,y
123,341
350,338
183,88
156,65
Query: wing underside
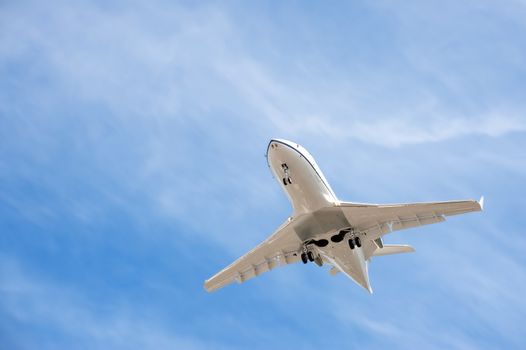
x,y
284,246
377,220
280,249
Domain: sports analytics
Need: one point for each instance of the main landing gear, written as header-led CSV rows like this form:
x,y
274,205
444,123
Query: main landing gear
x,y
308,256
355,242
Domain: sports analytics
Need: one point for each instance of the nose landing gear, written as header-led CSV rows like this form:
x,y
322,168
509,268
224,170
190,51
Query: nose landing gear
x,y
286,179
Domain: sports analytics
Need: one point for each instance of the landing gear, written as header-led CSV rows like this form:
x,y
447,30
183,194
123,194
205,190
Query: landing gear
x,y
355,242
309,255
358,242
286,179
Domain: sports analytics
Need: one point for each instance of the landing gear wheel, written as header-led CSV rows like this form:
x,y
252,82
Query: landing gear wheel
x,y
304,258
310,256
289,181
285,181
358,242
351,244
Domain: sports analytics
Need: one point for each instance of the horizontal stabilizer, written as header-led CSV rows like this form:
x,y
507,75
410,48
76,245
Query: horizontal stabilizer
x,y
389,249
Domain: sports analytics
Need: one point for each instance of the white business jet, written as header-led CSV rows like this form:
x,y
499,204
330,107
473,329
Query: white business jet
x,y
325,230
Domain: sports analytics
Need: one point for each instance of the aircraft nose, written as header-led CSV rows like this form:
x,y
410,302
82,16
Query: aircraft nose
x,y
284,142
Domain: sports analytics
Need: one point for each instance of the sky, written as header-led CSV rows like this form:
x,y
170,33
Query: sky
x,y
132,168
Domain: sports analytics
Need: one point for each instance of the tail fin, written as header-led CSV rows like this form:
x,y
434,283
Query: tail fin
x,y
389,249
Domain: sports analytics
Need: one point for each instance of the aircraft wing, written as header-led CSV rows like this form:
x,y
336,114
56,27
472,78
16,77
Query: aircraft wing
x,y
281,248
377,220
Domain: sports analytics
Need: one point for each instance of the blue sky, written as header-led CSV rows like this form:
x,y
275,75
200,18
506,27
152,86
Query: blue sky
x,y
132,142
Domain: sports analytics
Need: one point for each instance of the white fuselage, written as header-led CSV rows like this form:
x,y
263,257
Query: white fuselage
x,y
315,207
307,189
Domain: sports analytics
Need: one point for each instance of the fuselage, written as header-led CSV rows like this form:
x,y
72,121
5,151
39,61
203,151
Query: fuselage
x,y
315,207
299,176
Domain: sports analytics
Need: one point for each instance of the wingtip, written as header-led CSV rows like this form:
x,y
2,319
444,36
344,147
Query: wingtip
x,y
207,286
481,203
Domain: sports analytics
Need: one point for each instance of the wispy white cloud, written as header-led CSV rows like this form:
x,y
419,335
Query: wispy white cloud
x,y
165,111
402,131
137,70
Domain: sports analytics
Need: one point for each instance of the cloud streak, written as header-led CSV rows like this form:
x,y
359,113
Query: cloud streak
x,y
132,155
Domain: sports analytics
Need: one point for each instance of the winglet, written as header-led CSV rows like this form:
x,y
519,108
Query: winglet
x,y
481,203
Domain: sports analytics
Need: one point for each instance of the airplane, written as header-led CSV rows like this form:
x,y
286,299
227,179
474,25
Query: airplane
x,y
325,230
